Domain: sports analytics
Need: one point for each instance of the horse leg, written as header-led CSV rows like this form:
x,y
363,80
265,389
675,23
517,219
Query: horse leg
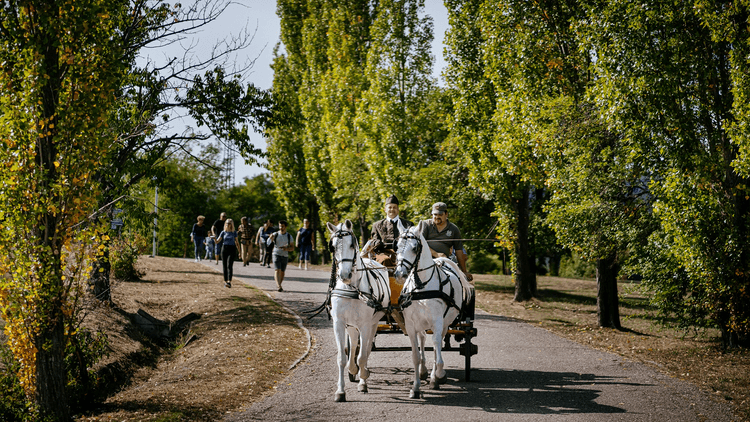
x,y
414,393
339,332
422,360
367,334
438,372
353,335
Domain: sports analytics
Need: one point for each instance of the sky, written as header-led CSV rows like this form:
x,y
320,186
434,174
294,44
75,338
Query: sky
x,y
260,16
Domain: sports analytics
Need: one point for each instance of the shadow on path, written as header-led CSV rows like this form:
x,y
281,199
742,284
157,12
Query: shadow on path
x,y
511,391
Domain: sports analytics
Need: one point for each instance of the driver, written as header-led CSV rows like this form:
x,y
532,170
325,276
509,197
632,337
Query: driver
x,y
444,237
385,232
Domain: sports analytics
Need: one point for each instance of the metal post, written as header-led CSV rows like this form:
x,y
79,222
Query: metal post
x,y
156,206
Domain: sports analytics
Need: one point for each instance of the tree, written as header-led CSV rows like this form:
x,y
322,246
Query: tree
x,y
668,79
398,134
61,66
154,94
600,204
498,89
189,188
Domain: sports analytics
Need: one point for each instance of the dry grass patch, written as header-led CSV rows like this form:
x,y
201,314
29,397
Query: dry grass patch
x,y
567,307
245,345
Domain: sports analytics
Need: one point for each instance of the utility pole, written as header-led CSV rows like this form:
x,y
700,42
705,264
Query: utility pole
x,y
156,207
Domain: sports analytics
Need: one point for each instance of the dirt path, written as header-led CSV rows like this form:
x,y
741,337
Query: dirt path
x,y
522,373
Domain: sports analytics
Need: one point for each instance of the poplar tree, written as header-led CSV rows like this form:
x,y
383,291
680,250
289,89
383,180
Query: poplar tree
x,y
397,132
61,64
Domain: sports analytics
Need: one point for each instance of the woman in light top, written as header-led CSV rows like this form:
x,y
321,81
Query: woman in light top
x,y
228,240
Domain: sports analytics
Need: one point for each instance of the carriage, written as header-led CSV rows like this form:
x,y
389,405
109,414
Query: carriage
x,y
362,301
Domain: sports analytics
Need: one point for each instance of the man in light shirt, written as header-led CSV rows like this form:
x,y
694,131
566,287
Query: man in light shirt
x,y
283,243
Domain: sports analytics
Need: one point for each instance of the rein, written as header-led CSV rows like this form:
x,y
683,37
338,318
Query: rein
x,y
326,305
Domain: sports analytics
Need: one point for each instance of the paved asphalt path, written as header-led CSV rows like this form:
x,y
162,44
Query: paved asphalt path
x,y
522,373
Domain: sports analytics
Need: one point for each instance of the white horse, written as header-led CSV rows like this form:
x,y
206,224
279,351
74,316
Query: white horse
x,y
434,292
359,299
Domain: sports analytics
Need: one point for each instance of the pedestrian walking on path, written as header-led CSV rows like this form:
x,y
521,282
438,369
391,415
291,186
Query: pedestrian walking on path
x,y
282,244
228,239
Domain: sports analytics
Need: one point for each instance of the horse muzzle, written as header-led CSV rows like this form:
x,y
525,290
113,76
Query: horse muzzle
x,y
345,273
400,274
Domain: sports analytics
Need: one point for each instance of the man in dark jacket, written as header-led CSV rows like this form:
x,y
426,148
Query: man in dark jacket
x,y
385,232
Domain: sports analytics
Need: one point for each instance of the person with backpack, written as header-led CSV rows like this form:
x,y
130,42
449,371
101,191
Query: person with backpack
x,y
261,239
283,243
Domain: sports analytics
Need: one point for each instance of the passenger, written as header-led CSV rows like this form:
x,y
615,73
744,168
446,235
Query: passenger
x,y
385,232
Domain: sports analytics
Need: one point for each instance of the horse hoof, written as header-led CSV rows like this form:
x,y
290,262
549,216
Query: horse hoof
x,y
443,379
340,397
352,377
362,388
423,376
434,385
414,394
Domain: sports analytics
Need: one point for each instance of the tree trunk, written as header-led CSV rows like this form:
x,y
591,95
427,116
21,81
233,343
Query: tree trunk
x,y
525,276
50,370
607,302
99,282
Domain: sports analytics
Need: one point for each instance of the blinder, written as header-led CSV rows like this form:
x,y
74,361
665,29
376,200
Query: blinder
x,y
340,234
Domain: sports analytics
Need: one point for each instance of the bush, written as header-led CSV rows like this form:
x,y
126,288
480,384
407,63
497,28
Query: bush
x,y
480,262
573,266
13,405
123,255
83,351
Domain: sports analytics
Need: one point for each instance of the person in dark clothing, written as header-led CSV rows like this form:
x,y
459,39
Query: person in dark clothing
x,y
245,234
385,233
228,238
306,243
198,235
217,228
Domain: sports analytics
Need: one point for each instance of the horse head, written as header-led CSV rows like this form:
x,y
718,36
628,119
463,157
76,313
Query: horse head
x,y
409,252
343,246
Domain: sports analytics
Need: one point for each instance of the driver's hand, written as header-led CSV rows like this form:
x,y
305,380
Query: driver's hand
x,y
469,277
441,255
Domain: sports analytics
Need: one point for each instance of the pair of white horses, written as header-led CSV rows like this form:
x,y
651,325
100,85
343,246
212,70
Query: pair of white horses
x,y
432,295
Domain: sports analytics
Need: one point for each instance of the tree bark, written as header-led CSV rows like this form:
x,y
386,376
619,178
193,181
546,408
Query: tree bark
x,y
50,373
607,302
100,277
525,276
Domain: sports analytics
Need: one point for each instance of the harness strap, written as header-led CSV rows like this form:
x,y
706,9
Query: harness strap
x,y
349,294
405,300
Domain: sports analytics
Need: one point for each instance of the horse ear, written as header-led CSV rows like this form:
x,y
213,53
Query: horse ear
x,y
331,227
401,228
348,224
